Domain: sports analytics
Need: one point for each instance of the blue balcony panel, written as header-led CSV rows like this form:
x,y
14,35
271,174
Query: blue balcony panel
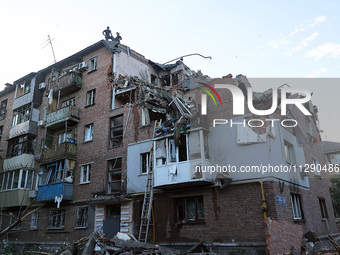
x,y
50,191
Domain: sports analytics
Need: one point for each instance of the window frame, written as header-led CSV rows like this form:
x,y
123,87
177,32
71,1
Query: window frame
x,y
114,171
85,171
22,114
34,223
88,128
297,208
3,107
145,157
93,64
323,207
289,153
58,217
82,217
90,97
182,202
114,129
24,84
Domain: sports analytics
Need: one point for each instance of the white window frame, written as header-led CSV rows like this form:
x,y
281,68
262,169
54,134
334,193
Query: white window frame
x,y
296,206
93,64
88,136
68,102
34,221
289,153
85,173
60,219
147,158
90,97
84,216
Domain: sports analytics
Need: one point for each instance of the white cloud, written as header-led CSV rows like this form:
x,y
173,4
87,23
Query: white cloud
x,y
326,50
277,43
311,23
304,43
316,74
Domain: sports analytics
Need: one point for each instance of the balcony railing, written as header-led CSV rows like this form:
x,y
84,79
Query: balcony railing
x,y
68,83
27,127
18,162
69,113
64,150
50,191
17,197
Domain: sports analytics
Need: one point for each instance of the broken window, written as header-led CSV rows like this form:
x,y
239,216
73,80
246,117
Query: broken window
x,y
115,175
16,179
182,148
68,102
21,114
34,221
23,88
289,153
56,218
92,64
166,80
296,206
161,152
82,216
88,133
14,219
148,116
67,137
116,131
323,208
3,107
20,145
189,209
145,162
1,128
122,97
172,150
174,79
90,97
52,172
85,173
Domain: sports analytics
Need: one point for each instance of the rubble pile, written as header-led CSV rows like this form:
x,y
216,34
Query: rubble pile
x,y
121,244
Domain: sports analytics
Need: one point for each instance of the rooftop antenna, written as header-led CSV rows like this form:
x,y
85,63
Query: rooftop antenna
x,y
181,58
49,41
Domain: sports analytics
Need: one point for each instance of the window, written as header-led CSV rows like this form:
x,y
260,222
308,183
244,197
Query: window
x,y
56,219
289,153
16,179
66,137
115,175
68,102
34,220
1,128
14,219
92,64
3,106
52,172
296,206
90,96
20,145
116,131
309,126
85,173
316,166
23,88
145,162
21,114
189,209
82,213
88,132
323,208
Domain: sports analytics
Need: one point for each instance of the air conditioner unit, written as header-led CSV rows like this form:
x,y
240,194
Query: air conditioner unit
x,y
42,85
83,65
32,194
40,123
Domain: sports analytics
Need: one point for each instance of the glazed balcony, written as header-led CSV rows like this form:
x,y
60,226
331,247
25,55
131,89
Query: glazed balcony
x,y
68,83
48,192
56,119
64,150
27,127
16,197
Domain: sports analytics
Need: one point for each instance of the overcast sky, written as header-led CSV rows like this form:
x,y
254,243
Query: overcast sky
x,y
265,39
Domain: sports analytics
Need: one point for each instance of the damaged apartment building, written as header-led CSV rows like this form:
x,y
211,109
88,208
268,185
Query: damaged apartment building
x,y
92,141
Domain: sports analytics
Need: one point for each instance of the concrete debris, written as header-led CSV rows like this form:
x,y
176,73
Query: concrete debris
x,y
122,244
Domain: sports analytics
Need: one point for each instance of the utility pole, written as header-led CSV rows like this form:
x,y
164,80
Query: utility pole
x,y
49,41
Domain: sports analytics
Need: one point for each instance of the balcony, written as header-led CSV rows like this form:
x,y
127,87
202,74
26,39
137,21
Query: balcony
x,y
183,174
27,127
64,150
50,191
56,119
18,162
17,197
68,83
